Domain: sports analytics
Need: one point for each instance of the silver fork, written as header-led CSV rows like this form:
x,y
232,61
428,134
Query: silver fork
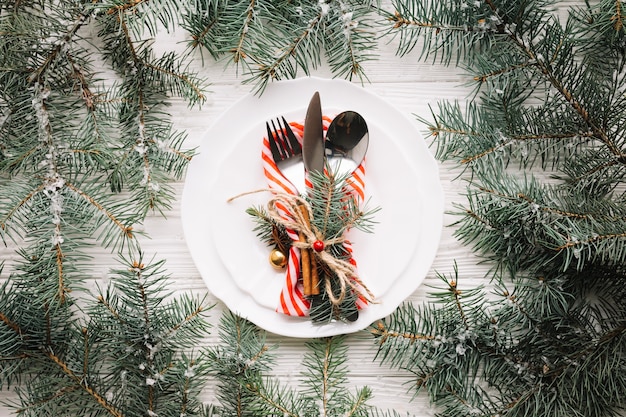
x,y
286,151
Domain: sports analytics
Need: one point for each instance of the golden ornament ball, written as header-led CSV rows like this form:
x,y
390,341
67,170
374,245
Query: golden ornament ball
x,y
278,260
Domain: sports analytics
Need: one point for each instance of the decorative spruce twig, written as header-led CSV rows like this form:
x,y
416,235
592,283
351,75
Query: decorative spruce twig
x,y
333,212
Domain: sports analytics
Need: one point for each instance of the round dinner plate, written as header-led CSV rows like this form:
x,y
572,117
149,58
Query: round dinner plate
x,y
402,180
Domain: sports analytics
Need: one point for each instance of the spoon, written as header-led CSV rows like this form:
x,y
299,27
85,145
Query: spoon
x,y
346,143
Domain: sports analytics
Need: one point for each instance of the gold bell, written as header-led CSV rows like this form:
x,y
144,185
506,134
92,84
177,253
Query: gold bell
x,y
278,260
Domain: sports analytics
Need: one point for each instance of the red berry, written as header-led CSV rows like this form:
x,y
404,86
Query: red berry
x,y
318,246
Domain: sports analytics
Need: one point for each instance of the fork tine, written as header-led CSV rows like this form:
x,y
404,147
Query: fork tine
x,y
276,154
293,141
281,141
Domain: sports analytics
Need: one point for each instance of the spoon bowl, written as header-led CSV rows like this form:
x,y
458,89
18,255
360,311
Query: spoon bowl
x,y
346,144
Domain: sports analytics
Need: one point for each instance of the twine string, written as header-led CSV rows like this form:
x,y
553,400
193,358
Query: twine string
x,y
296,221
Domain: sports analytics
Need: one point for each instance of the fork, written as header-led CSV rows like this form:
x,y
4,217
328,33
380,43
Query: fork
x,y
286,151
287,154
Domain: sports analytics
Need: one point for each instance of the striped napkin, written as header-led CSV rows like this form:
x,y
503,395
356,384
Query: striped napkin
x,y
292,301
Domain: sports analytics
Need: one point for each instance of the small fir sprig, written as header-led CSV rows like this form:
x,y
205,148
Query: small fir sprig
x,y
335,209
269,231
334,212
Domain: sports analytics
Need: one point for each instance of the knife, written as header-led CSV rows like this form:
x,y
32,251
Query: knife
x,y
313,139
313,156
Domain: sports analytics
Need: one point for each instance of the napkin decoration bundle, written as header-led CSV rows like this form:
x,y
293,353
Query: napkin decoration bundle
x,y
292,300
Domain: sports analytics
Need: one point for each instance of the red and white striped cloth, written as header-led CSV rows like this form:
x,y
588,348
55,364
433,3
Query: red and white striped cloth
x,y
292,301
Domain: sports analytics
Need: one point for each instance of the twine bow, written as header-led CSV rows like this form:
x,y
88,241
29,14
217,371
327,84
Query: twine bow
x,y
295,220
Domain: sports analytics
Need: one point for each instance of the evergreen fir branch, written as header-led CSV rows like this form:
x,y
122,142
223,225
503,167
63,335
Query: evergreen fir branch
x,y
40,322
454,30
237,362
228,29
241,361
51,150
543,100
443,359
275,59
275,40
151,157
541,135
570,80
70,367
350,39
590,169
525,354
14,208
325,374
133,315
57,145
151,153
521,224
553,63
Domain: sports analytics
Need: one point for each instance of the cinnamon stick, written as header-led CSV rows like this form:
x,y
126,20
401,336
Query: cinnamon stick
x,y
305,257
312,281
315,280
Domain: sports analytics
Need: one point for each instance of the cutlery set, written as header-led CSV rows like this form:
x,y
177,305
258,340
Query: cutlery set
x,y
343,148
338,153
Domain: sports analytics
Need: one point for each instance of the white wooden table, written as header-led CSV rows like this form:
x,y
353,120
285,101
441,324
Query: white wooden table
x,y
408,85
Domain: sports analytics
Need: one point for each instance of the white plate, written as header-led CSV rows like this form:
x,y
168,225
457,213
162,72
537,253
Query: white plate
x,y
401,178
